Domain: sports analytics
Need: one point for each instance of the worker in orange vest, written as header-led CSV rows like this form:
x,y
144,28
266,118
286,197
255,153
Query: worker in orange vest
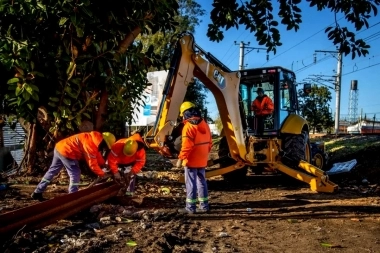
x,y
262,106
195,148
128,157
87,146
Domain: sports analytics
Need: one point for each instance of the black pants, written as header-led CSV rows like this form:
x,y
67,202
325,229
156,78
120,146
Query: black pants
x,y
259,122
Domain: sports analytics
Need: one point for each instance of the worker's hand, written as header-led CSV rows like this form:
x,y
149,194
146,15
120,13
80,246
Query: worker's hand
x,y
117,178
179,164
105,168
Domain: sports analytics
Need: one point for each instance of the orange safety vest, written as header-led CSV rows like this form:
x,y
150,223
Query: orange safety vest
x,y
263,107
196,143
116,156
83,146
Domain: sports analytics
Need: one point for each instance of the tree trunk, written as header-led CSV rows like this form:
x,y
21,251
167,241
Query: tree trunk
x,y
128,40
102,111
31,149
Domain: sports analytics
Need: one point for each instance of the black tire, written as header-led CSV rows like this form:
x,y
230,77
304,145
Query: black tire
x,y
236,176
296,147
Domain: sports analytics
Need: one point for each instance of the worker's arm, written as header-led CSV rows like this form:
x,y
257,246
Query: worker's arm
x,y
268,106
188,137
210,141
91,154
114,156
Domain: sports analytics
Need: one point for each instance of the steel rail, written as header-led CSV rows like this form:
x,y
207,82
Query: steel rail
x,y
45,213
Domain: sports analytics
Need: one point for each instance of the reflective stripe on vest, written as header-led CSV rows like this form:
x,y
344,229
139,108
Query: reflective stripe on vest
x,y
114,154
202,143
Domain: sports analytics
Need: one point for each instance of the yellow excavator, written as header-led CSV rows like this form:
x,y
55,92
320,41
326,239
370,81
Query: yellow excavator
x,y
284,143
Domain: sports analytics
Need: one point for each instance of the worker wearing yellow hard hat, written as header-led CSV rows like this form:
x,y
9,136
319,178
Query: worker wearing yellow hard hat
x,y
128,157
185,106
87,146
195,148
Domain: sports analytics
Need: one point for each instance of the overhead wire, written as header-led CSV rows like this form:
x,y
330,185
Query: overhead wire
x,y
301,42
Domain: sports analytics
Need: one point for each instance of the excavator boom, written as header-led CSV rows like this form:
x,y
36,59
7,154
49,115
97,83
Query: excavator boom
x,y
190,62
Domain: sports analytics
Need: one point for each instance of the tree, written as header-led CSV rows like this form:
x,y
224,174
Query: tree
x,y
77,61
67,58
189,13
314,107
258,17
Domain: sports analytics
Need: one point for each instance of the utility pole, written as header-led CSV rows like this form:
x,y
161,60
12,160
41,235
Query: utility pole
x,y
338,86
243,46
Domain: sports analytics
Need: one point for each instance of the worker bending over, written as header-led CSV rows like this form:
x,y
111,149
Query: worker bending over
x,y
87,146
128,156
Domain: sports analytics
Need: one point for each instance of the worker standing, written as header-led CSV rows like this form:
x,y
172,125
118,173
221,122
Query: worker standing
x,y
86,146
195,148
128,155
262,106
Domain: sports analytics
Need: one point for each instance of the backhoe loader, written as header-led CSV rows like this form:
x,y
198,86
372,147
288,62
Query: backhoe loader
x,y
283,145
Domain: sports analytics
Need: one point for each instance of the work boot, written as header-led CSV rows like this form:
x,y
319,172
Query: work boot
x,y
185,211
199,210
38,196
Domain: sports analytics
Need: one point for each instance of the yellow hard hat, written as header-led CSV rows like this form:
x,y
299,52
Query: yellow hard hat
x,y
130,148
109,138
185,106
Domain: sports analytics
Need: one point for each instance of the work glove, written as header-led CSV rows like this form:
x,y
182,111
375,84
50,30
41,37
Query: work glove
x,y
105,168
179,164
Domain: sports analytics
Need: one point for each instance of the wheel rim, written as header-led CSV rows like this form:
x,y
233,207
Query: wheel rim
x,y
318,160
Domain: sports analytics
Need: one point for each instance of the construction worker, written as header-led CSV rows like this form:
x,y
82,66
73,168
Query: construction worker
x,y
87,146
262,106
128,156
195,148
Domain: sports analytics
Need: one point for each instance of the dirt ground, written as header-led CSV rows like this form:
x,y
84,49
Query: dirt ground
x,y
266,213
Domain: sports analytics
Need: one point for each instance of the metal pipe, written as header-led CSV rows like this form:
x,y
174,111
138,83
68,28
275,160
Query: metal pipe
x,y
47,212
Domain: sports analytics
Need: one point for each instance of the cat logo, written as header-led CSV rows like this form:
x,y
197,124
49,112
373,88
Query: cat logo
x,y
219,79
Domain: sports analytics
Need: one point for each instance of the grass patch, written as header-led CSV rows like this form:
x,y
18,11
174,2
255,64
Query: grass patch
x,y
349,146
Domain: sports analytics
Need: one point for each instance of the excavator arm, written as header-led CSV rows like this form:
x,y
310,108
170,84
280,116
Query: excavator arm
x,y
189,62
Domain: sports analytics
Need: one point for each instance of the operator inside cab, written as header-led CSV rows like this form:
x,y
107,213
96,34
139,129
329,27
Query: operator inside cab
x,y
262,107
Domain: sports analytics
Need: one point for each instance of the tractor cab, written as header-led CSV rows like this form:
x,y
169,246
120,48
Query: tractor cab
x,y
278,84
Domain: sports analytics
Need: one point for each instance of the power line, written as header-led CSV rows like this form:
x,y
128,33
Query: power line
x,y
232,46
312,64
302,41
235,44
370,66
369,37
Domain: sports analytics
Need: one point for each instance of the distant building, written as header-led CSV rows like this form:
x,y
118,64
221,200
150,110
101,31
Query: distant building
x,y
11,146
364,126
214,130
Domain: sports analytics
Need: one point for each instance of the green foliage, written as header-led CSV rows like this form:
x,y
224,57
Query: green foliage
x,y
187,19
258,17
62,54
196,93
218,123
314,107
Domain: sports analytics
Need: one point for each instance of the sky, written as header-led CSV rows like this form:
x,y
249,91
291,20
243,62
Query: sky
x,y
297,53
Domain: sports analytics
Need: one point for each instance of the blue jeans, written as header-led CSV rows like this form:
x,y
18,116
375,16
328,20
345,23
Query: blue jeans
x,y
123,169
59,161
195,180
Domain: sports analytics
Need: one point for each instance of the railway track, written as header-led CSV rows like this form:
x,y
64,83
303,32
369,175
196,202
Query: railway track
x,y
42,214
